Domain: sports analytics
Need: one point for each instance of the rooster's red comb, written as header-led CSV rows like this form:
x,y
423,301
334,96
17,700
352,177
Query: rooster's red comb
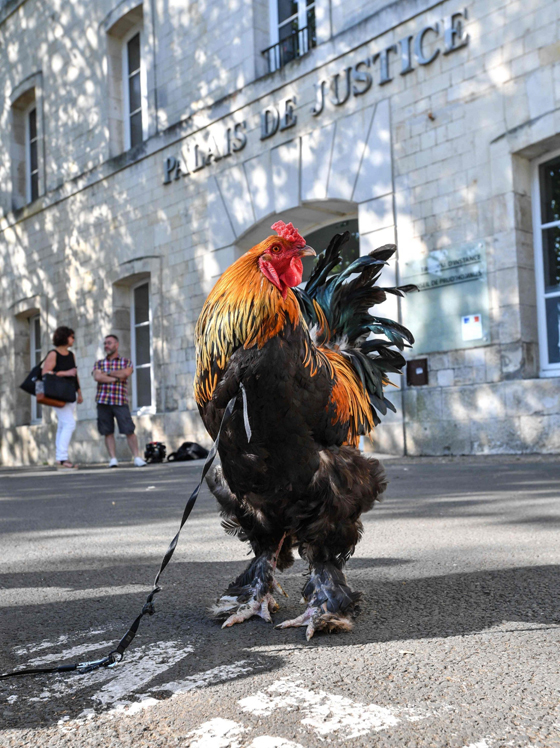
x,y
287,231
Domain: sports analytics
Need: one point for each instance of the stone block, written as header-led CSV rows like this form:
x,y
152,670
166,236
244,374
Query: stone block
x,y
529,397
285,175
388,439
316,149
445,377
259,179
447,437
237,198
375,177
509,326
348,151
429,404
220,230
540,433
475,356
376,239
438,361
496,436
375,215
540,92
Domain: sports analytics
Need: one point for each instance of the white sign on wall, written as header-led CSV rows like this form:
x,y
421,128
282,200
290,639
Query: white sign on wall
x,y
471,327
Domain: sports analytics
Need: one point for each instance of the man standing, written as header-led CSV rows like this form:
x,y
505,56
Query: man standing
x,y
111,375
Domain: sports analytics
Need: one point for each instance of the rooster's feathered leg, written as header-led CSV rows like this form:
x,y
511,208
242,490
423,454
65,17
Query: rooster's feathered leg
x,y
328,529
251,594
331,604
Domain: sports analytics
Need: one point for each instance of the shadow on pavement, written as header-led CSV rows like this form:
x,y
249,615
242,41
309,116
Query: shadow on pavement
x,y
458,604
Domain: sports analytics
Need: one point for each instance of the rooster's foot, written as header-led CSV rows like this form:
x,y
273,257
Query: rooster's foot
x,y
250,595
331,604
319,619
238,610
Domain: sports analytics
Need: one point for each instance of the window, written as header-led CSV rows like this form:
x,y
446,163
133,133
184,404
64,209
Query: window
x,y
32,155
141,329
27,129
36,358
134,90
292,31
546,217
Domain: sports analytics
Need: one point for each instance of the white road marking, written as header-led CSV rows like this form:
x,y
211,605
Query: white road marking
x,y
207,678
151,660
124,689
481,744
266,741
216,733
327,713
46,644
70,654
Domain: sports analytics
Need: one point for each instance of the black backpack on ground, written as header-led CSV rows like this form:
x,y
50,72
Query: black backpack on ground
x,y
188,451
155,452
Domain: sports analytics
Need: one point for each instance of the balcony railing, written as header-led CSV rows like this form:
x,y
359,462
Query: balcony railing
x,y
296,45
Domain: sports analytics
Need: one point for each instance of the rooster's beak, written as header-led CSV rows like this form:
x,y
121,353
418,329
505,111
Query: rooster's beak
x,y
307,251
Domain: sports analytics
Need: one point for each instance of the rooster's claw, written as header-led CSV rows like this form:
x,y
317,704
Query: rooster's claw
x,y
319,619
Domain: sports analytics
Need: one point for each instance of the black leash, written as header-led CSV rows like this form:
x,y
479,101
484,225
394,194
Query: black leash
x,y
116,655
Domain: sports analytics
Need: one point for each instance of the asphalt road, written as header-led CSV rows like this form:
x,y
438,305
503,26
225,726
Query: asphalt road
x,y
457,645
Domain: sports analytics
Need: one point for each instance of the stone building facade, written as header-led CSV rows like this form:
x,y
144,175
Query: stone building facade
x,y
147,143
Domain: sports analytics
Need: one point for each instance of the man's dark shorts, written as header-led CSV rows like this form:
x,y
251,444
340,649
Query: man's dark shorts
x,y
106,415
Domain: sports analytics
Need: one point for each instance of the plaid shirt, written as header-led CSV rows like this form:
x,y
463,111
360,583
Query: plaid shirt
x,y
114,393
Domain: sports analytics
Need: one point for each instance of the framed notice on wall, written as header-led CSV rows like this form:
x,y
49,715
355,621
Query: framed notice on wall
x,y
451,310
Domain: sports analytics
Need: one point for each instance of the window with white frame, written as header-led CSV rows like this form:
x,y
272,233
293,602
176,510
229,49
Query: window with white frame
x,y
134,89
32,155
292,31
36,358
546,218
26,148
141,335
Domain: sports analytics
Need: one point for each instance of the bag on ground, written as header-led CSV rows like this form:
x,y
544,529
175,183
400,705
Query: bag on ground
x,y
188,451
155,452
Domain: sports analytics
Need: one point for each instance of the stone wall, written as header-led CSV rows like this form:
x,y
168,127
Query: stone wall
x,y
433,157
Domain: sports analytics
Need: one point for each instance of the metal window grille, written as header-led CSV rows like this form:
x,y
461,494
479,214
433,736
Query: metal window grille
x,y
295,32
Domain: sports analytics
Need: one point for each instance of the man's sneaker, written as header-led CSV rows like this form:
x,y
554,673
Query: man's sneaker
x,y
139,462
113,462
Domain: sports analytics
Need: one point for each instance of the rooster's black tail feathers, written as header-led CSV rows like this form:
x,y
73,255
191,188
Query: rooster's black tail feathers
x,y
346,303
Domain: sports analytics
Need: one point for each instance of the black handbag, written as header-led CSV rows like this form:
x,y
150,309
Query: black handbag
x,y
59,388
28,383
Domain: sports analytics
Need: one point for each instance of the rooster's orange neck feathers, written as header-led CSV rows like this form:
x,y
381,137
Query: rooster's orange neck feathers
x,y
243,309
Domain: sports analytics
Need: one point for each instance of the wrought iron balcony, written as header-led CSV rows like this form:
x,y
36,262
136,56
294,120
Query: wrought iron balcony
x,y
296,45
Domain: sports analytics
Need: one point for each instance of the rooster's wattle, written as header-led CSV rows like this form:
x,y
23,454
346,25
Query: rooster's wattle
x,y
314,383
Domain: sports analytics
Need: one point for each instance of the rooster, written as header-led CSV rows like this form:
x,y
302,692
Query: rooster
x,y
312,384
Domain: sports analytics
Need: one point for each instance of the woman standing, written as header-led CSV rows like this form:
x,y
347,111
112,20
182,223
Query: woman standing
x,y
61,363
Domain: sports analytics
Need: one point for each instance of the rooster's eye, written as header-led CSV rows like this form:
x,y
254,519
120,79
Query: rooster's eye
x,y
276,248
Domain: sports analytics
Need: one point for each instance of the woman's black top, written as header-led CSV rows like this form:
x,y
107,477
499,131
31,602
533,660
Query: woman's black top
x,y
64,363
